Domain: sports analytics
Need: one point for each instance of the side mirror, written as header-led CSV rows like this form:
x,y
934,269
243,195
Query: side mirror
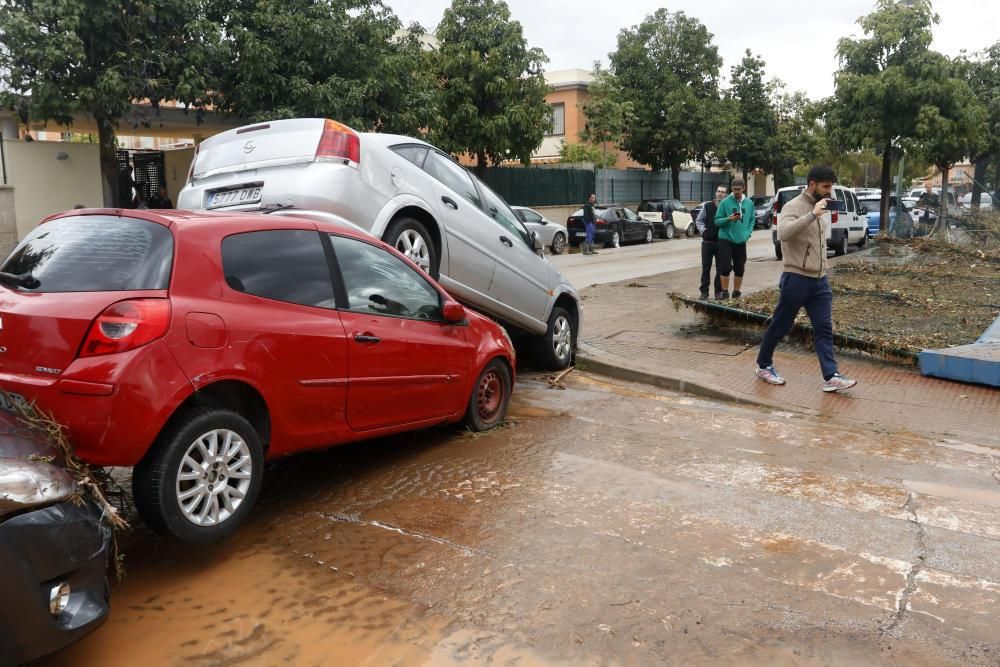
x,y
536,242
864,210
543,221
454,313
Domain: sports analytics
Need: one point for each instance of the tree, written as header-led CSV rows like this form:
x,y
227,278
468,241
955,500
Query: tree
x,y
597,155
491,88
984,79
669,68
100,58
608,113
755,144
801,136
951,124
877,100
347,60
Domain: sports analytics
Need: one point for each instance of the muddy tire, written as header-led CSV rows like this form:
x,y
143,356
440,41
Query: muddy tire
x,y
840,249
411,238
558,243
554,348
201,478
490,397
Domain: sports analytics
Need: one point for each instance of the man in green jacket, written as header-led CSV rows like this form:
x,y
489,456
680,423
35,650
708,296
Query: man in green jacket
x,y
735,219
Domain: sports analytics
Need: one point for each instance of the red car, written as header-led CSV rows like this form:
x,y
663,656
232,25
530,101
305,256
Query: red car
x,y
193,346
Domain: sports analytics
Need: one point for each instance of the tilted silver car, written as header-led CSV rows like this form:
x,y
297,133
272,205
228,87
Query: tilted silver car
x,y
551,234
407,193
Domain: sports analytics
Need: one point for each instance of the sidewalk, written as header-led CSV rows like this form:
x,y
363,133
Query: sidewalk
x,y
635,333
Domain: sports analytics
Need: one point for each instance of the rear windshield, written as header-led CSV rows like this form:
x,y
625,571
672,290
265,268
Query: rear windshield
x,y
786,196
651,207
760,200
95,253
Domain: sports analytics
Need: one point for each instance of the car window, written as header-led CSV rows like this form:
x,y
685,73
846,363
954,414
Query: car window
x,y
378,283
630,214
453,175
497,209
287,265
415,154
677,205
650,207
95,253
850,201
529,216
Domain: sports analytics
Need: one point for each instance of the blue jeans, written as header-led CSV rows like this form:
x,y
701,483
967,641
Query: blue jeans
x,y
817,298
590,232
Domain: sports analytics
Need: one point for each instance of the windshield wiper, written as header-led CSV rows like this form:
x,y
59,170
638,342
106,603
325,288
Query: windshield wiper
x,y
25,280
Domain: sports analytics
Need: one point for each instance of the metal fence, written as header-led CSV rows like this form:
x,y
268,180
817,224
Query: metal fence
x,y
3,161
530,186
625,186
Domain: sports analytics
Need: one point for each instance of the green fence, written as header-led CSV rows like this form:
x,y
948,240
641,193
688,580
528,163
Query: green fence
x,y
526,186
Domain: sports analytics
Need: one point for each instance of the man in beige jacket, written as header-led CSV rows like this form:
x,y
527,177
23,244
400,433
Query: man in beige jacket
x,y
802,229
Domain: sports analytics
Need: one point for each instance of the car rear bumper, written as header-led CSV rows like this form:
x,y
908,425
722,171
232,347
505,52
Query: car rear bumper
x,y
40,549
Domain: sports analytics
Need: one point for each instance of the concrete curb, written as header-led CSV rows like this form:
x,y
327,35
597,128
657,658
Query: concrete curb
x,y
613,366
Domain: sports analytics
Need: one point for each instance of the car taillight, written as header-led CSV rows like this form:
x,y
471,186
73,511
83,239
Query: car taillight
x,y
834,216
600,221
194,159
338,143
774,214
663,216
127,325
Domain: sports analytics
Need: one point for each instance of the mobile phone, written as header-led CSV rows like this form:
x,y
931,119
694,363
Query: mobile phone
x,y
835,205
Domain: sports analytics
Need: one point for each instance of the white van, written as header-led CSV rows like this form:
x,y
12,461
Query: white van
x,y
847,227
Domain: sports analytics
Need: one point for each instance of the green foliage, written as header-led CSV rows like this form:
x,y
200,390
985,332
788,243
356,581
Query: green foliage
x,y
596,155
490,85
668,68
952,123
984,79
755,143
607,110
339,59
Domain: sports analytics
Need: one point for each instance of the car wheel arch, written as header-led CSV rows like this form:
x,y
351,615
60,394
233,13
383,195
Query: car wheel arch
x,y
427,220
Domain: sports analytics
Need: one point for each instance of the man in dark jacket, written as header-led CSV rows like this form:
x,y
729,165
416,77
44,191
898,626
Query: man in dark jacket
x,y
589,222
710,242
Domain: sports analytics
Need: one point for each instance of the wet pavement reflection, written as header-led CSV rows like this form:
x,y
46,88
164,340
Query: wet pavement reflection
x,y
605,524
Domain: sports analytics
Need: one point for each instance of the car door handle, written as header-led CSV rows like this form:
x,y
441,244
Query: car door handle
x,y
506,241
367,338
449,202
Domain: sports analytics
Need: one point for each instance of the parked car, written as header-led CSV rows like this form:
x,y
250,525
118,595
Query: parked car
x,y
405,192
668,216
900,221
847,227
53,550
762,205
866,193
194,345
955,211
615,225
985,201
551,234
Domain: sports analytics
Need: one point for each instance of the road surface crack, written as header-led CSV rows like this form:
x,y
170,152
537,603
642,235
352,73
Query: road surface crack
x,y
903,597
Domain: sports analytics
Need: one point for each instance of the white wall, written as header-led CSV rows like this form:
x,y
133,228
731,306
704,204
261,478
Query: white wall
x,y
44,184
175,170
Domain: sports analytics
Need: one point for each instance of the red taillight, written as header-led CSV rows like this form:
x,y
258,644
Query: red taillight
x,y
600,221
338,143
127,325
774,214
194,159
834,216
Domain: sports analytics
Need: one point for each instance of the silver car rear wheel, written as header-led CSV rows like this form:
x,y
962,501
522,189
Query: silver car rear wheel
x,y
213,477
558,243
413,245
412,238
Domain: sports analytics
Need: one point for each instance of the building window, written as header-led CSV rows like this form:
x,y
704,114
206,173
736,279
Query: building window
x,y
558,119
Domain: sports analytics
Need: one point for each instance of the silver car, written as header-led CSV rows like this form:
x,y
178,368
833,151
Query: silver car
x,y
552,235
407,193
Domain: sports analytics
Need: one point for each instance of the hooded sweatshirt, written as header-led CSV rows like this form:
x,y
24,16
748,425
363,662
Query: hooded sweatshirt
x,y
735,231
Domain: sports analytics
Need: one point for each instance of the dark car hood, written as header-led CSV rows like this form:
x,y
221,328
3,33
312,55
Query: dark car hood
x,y
27,479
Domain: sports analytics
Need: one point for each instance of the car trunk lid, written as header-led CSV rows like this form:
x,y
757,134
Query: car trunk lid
x,y
266,144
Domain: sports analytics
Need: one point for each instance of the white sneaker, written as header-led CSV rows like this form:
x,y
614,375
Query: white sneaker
x,y
838,383
770,375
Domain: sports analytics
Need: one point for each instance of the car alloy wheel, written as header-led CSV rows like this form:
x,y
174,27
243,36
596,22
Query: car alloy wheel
x,y
649,235
554,348
691,231
213,477
616,239
558,243
670,232
562,338
413,245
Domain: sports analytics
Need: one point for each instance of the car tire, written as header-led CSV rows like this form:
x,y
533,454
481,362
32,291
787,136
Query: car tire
x,y
558,243
840,249
669,232
777,251
410,237
649,235
615,239
864,240
554,348
490,397
188,446
691,231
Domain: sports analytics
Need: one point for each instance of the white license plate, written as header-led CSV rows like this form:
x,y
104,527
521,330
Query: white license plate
x,y
234,197
579,233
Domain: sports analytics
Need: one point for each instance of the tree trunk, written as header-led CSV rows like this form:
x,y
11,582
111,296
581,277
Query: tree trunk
x,y
481,164
883,207
978,178
675,178
109,161
941,228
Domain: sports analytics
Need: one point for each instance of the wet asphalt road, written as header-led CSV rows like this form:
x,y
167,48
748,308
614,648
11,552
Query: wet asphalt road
x,y
608,524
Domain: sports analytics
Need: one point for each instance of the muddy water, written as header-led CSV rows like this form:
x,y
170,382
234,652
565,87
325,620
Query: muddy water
x,y
607,524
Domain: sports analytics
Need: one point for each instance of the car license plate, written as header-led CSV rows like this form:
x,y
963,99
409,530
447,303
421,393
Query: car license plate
x,y
7,399
579,233
234,197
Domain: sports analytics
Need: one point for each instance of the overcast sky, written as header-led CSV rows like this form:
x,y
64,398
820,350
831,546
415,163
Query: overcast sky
x,y
796,39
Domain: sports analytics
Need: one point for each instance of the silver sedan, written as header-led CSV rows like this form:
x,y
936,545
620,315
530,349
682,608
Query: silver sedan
x,y
551,234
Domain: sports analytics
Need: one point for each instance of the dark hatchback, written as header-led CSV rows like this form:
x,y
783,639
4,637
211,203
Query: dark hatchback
x,y
53,551
614,225
762,205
